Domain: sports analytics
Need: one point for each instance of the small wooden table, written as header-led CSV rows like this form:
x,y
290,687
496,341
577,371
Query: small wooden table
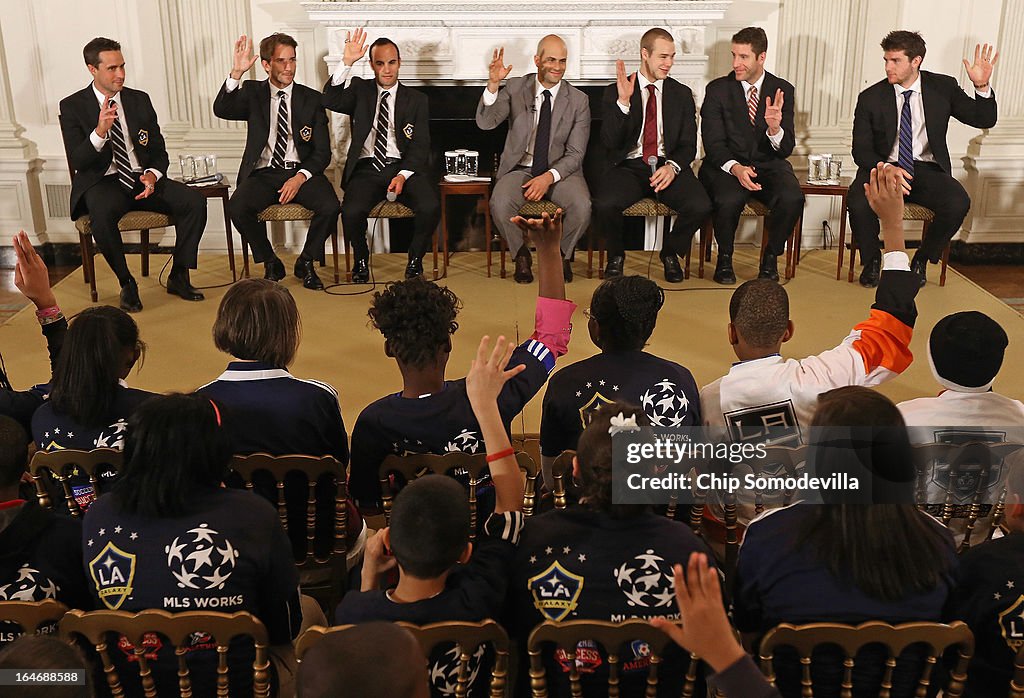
x,y
841,190
481,189
219,190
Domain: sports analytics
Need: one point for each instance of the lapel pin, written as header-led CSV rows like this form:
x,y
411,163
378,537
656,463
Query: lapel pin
x,y
143,137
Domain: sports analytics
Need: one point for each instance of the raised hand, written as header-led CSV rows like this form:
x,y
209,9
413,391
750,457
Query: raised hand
x,y
242,58
980,72
624,83
773,112
487,374
108,114
355,46
497,70
544,231
30,275
884,192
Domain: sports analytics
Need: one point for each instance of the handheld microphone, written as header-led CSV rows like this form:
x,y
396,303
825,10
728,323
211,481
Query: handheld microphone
x,y
652,161
392,197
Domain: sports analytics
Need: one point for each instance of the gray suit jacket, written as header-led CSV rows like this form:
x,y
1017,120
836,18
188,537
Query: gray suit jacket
x,y
570,124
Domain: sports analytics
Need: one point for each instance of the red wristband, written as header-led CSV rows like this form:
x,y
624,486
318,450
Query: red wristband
x,y
491,457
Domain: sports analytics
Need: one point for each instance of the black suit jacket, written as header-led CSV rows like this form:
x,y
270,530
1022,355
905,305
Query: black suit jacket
x,y
620,132
307,120
877,117
726,129
410,115
78,116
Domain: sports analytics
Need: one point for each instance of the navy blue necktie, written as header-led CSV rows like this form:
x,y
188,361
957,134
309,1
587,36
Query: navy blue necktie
x,y
543,140
905,157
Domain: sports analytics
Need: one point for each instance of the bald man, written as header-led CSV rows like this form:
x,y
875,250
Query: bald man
x,y
549,126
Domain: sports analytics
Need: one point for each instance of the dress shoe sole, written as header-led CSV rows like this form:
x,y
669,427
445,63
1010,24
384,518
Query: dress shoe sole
x,y
185,295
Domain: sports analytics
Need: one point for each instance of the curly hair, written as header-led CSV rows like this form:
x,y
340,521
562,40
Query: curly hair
x,y
416,317
759,310
626,310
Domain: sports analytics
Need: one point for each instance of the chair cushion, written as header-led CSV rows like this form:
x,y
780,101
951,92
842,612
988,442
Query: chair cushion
x,y
916,212
535,208
391,209
284,212
649,207
755,208
133,220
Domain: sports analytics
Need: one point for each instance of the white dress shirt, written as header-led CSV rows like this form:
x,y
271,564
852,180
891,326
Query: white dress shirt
x,y
921,147
344,77
645,96
775,140
98,142
538,99
290,153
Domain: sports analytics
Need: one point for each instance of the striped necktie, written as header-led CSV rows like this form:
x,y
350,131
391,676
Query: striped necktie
x,y
752,104
380,141
281,144
905,156
124,168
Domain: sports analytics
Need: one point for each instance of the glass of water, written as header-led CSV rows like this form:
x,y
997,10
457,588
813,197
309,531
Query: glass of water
x,y
460,161
835,170
813,169
210,164
472,162
188,167
450,166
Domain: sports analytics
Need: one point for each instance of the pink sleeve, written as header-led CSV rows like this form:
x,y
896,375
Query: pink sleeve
x,y
553,324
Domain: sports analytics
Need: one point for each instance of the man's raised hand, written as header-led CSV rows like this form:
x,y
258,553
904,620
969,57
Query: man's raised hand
x,y
355,46
623,83
497,70
242,58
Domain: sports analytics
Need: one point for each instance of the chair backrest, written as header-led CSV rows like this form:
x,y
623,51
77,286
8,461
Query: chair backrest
x,y
1017,683
455,463
61,465
935,637
969,473
561,470
466,637
612,637
179,629
30,616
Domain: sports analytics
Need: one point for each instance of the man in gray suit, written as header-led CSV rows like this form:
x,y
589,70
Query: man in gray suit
x,y
549,126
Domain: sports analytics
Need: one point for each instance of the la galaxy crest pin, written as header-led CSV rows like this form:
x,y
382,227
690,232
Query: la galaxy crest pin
x,y
407,130
306,132
143,137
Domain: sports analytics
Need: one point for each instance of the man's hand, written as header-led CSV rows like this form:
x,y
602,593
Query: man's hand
x,y
30,275
497,70
746,175
148,180
487,374
536,188
108,114
291,187
905,178
773,112
980,72
243,57
355,47
624,84
397,184
705,629
376,561
662,177
884,192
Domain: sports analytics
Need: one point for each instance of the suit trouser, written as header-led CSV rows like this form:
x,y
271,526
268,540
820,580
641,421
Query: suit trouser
x,y
367,187
260,189
107,201
569,194
780,192
932,188
628,182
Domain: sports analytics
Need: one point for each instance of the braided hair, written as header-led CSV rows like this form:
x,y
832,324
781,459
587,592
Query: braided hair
x,y
626,310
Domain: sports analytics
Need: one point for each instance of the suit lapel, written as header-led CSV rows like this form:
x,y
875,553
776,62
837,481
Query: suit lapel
x,y
130,118
669,115
560,106
264,110
636,111
401,109
931,103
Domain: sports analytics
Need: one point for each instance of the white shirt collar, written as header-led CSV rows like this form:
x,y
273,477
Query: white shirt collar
x,y
102,98
287,90
747,85
393,90
644,82
538,88
916,87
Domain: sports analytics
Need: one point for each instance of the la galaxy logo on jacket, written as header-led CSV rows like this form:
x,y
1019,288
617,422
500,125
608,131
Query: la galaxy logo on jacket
x,y
306,133
113,572
1011,622
555,591
143,137
407,130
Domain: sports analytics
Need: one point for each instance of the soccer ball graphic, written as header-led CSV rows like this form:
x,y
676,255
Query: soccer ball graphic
x,y
665,404
465,441
30,585
202,559
646,580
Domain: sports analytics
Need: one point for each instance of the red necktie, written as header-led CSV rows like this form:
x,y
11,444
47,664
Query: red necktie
x,y
651,124
752,105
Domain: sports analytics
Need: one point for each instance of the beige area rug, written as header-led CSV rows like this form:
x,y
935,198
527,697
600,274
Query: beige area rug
x,y
339,346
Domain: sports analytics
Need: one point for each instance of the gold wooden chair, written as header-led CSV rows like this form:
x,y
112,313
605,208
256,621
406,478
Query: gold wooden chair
x,y
850,639
911,212
321,576
610,636
647,207
178,629
30,616
390,209
1017,683
414,465
141,221
61,465
753,208
561,471
279,213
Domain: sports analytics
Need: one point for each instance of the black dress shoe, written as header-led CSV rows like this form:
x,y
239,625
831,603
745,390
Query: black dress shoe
x,y
723,270
872,268
769,268
305,269
360,272
178,284
130,301
273,269
567,271
919,265
673,272
614,267
414,268
524,270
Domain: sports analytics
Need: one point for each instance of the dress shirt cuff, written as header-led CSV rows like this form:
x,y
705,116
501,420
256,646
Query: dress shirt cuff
x,y
624,108
489,97
341,77
309,175
553,324
98,142
896,261
984,95
554,173
156,173
406,173
728,166
675,165
230,85
776,140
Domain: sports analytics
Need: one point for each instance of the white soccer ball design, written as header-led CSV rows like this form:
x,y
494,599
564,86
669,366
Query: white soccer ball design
x,y
646,580
30,585
465,442
665,404
202,559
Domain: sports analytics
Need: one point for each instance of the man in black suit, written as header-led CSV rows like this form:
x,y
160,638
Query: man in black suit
x,y
115,148
389,152
650,118
903,120
747,124
287,148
